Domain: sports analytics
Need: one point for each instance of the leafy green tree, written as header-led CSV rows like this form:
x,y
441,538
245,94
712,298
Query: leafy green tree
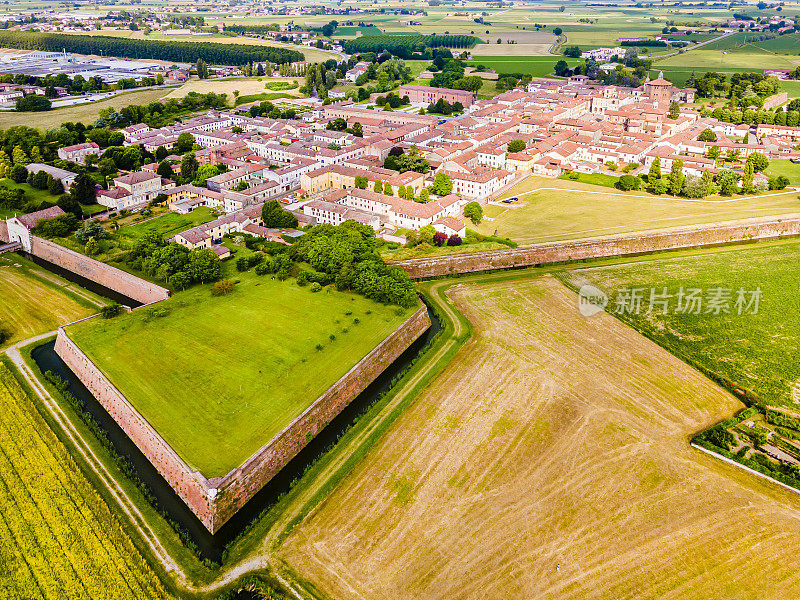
x,y
184,143
202,69
189,166
728,182
5,165
90,230
516,146
165,170
361,182
92,247
473,212
387,190
659,186
82,189
424,195
378,188
747,178
655,171
676,177
19,157
707,136
759,161
204,173
714,153
674,110
274,215
628,182
19,173
708,183
442,184
33,103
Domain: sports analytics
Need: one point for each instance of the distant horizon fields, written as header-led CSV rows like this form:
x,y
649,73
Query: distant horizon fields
x,y
218,377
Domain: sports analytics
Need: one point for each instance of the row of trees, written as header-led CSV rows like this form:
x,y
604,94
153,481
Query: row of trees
x,y
727,182
405,46
746,89
157,114
187,52
788,115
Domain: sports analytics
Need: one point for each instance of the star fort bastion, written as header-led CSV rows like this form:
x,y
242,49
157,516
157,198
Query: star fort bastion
x,y
215,500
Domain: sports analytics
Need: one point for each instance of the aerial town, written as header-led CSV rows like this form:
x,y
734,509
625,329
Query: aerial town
x,y
452,300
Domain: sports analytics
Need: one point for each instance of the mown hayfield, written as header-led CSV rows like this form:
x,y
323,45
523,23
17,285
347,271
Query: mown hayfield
x,y
751,58
574,210
58,538
218,377
551,460
244,85
81,113
756,351
34,301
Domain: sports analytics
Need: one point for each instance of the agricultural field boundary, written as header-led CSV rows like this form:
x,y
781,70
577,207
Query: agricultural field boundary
x,y
745,468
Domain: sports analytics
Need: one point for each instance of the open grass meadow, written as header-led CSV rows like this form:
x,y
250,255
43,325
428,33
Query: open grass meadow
x,y
58,538
756,347
786,168
31,193
551,210
218,377
34,301
549,459
166,225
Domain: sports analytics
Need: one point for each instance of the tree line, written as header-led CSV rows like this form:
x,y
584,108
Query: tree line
x,y
188,52
405,46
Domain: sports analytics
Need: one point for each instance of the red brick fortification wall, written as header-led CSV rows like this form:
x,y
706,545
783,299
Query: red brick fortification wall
x,y
94,270
190,485
673,239
3,232
238,486
217,500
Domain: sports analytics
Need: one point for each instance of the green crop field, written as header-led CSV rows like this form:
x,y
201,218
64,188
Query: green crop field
x,y
536,66
218,377
756,351
551,210
58,538
35,301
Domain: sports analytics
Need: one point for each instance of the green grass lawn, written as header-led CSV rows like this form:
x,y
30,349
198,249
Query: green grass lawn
x,y
218,377
592,178
166,225
572,213
756,351
31,193
93,209
784,167
34,301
